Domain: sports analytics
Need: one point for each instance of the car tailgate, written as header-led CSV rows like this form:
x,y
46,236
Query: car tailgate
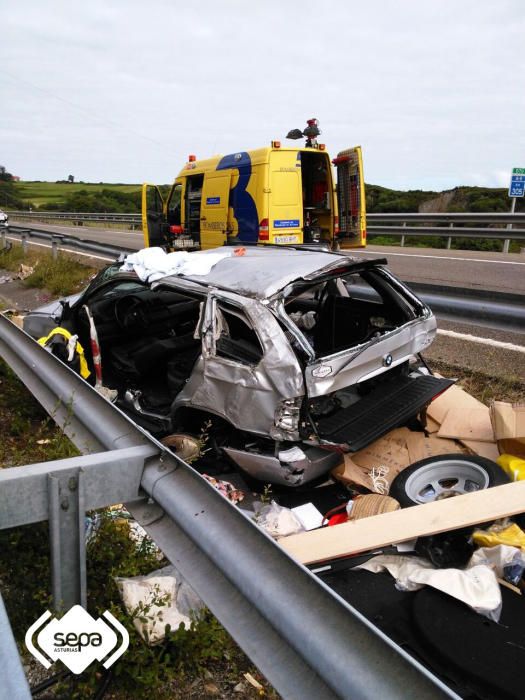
x,y
388,406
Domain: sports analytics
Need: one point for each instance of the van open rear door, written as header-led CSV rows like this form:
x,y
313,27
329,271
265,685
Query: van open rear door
x,y
154,223
214,209
351,198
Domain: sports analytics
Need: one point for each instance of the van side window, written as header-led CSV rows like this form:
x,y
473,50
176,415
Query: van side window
x,y
237,341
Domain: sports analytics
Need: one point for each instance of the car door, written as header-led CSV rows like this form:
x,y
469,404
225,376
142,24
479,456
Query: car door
x,y
351,198
247,366
154,222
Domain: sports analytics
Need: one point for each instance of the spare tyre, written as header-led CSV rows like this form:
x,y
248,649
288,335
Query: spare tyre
x,y
443,476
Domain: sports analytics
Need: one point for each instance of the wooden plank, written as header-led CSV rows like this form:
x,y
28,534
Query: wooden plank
x,y
389,528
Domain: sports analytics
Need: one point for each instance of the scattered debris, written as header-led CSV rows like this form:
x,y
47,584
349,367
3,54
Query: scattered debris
x,y
24,271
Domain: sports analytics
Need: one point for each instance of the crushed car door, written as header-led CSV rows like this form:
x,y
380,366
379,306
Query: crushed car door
x,y
247,367
351,198
214,209
153,219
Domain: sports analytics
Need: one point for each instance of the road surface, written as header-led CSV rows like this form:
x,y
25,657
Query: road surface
x,y
491,271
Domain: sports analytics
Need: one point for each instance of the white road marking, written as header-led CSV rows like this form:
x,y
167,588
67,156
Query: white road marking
x,y
434,257
483,341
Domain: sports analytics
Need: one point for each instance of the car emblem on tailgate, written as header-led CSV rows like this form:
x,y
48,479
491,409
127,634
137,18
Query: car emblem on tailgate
x,y
322,371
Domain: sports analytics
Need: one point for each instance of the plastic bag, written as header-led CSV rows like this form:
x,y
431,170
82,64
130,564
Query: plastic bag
x,y
507,534
277,521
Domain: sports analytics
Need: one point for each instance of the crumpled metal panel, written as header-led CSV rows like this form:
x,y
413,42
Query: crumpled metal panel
x,y
368,360
316,462
262,272
247,396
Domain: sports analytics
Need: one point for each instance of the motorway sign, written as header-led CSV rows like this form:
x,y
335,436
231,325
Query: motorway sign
x,y
517,183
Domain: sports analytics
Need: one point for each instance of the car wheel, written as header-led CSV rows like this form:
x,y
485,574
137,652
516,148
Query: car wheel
x,y
435,478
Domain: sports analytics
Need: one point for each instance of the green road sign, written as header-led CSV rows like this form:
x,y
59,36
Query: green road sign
x,y
518,171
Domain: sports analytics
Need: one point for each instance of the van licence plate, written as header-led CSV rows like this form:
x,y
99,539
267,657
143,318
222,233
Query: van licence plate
x,y
286,239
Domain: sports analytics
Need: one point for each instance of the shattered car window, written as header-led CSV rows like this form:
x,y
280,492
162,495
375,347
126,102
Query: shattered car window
x,y
347,311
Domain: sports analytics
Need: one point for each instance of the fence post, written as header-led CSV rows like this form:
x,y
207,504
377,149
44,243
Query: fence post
x,y
4,241
403,235
24,237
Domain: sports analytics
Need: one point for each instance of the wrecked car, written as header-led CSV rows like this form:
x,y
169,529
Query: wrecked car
x,y
288,357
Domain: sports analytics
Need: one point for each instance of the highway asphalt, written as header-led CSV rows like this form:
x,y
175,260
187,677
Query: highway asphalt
x,y
490,271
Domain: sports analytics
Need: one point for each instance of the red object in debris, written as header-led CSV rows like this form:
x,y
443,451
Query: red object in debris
x,y
338,519
176,230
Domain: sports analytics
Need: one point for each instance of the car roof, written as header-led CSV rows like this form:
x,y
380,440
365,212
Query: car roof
x,y
264,270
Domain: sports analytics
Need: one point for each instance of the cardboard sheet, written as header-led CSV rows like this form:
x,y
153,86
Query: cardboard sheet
x,y
467,423
455,397
508,420
421,447
489,450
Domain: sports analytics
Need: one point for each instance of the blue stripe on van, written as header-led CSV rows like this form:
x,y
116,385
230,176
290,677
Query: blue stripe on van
x,y
241,201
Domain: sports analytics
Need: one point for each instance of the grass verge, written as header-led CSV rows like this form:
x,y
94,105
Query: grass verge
x,y
201,662
60,277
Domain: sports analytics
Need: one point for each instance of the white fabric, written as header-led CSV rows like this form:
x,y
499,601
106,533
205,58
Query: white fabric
x,y
477,586
150,264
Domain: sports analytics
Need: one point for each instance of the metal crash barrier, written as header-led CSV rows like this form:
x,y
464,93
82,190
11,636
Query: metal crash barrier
x,y
307,641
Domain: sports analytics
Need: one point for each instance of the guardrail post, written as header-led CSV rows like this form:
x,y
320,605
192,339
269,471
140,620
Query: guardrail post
x,y
67,539
506,242
449,239
54,247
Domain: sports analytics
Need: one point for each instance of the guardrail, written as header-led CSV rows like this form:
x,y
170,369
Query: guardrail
x,y
78,217
449,226
306,640
453,303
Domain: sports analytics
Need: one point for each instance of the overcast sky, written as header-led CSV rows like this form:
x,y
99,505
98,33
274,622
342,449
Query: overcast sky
x,y
123,91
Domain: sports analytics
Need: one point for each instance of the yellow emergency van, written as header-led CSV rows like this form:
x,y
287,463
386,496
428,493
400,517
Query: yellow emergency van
x,y
275,195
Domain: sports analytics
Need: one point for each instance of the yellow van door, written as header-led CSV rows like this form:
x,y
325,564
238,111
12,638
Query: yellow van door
x,y
351,198
214,209
285,200
153,218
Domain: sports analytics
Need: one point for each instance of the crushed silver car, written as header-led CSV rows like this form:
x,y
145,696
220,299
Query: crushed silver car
x,y
289,357
4,219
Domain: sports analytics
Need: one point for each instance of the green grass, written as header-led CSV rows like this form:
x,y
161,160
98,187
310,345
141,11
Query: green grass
x,y
60,277
38,193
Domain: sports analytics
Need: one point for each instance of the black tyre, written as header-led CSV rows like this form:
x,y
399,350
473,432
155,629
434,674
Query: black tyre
x,y
444,476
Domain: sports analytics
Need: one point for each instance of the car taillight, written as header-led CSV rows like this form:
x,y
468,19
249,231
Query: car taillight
x,y
336,225
176,230
264,230
287,415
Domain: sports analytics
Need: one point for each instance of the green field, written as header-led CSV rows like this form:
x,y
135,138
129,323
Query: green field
x,y
37,193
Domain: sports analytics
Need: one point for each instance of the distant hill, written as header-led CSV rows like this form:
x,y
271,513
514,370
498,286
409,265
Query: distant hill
x,y
471,199
119,197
